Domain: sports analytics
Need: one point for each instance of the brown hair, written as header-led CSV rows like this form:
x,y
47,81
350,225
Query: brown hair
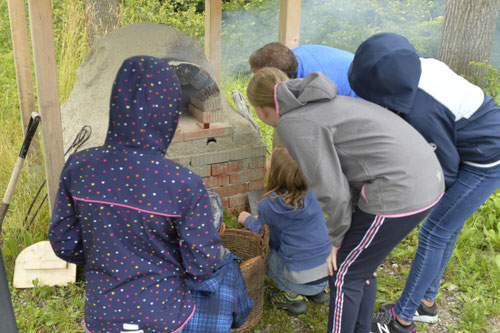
x,y
275,55
286,179
260,90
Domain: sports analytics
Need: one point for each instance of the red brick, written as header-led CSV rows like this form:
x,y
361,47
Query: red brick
x,y
214,130
230,190
254,163
238,200
256,185
224,168
235,178
247,176
188,129
225,203
205,116
215,181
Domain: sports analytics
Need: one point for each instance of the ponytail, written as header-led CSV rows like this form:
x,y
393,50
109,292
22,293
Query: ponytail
x,y
260,90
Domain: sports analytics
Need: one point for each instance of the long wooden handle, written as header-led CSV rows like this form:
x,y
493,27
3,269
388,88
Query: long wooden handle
x,y
10,189
9,193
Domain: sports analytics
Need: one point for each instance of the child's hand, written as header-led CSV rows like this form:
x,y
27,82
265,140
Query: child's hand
x,y
242,217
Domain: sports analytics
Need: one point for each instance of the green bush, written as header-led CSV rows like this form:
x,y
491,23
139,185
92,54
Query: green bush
x,y
490,83
181,15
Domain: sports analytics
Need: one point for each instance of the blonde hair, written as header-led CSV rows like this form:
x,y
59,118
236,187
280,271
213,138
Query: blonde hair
x,y
285,179
260,90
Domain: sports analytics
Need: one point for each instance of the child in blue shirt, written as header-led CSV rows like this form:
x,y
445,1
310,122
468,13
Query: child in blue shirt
x,y
299,238
305,59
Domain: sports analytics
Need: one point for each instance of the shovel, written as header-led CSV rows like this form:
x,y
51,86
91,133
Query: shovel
x,y
7,317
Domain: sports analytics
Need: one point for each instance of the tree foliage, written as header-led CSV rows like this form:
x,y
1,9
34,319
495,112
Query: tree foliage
x,y
181,15
342,24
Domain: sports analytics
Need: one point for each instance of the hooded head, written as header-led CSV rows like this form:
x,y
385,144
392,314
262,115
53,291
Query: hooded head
x,y
386,70
145,105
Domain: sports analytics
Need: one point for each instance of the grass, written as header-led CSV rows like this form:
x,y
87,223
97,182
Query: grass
x,y
474,268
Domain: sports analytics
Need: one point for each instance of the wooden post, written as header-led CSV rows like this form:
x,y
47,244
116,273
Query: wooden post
x,y
42,36
22,61
213,34
289,30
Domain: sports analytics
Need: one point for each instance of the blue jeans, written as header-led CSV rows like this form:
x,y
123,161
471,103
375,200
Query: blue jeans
x,y
438,234
275,271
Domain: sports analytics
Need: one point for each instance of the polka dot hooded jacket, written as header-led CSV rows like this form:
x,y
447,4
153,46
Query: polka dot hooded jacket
x,y
140,224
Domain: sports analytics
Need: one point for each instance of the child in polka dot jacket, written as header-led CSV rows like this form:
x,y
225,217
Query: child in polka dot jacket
x,y
140,224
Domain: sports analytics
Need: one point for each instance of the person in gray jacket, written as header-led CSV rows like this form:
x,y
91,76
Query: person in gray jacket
x,y
374,175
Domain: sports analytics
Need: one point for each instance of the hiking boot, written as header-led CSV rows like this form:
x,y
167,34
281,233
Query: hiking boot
x,y
295,304
386,322
424,313
320,298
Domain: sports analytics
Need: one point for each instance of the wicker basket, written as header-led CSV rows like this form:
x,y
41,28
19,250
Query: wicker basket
x,y
254,250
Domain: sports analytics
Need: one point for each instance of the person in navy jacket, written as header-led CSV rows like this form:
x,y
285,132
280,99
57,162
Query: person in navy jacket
x,y
140,224
462,123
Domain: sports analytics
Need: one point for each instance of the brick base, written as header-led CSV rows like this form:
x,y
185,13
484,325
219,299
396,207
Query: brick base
x,y
231,171
231,179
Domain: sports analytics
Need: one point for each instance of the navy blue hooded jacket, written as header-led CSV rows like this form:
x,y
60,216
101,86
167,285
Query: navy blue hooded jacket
x,y
298,235
451,113
139,223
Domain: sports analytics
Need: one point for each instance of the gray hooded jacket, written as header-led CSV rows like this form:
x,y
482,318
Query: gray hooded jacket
x,y
355,153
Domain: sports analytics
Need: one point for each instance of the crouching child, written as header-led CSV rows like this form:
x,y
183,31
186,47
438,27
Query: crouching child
x,y
299,237
222,302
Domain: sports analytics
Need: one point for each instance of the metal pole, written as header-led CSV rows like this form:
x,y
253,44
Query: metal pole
x,y
7,316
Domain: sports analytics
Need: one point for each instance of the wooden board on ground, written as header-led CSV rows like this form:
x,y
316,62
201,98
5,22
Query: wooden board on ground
x,y
39,262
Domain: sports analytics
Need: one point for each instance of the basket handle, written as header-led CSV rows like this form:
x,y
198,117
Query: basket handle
x,y
264,239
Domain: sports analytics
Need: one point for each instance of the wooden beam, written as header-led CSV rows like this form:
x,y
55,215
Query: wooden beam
x,y
44,54
24,74
289,29
213,34
289,33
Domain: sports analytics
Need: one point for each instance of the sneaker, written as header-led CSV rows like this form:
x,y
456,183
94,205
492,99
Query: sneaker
x,y
424,313
320,298
386,322
285,300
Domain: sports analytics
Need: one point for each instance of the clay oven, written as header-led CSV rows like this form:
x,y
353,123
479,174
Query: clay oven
x,y
212,139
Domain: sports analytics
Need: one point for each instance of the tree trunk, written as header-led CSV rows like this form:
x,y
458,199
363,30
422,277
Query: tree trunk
x,y
467,34
102,16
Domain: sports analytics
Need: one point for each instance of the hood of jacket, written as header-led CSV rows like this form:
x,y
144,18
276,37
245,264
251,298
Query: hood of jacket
x,y
278,206
292,94
145,105
386,70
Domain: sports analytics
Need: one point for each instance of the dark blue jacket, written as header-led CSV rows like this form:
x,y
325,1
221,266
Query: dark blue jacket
x,y
140,224
299,235
332,62
451,113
